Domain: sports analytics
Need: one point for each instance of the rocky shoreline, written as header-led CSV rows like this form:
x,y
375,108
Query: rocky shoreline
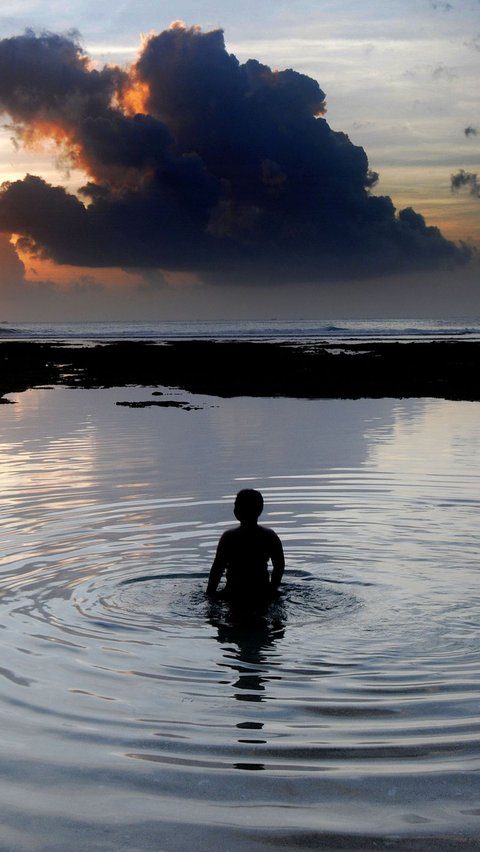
x,y
443,369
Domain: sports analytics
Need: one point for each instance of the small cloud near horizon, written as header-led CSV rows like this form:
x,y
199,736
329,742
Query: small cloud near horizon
x,y
465,180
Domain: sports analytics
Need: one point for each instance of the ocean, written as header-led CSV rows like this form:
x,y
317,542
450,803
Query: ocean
x,y
466,328
137,715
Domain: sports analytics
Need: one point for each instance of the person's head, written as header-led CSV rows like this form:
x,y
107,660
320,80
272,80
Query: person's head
x,y
248,505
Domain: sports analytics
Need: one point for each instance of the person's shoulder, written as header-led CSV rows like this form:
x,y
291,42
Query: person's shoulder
x,y
228,534
269,533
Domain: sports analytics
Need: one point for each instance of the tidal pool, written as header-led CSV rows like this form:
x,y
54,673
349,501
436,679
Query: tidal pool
x,y
136,715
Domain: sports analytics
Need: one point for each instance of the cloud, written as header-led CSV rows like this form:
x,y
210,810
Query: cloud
x,y
443,5
465,180
15,289
442,72
198,163
12,270
474,43
470,131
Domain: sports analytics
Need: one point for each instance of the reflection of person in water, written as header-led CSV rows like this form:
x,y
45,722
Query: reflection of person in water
x,y
244,552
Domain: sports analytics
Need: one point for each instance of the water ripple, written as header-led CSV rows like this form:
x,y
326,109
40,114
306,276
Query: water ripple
x,y
358,687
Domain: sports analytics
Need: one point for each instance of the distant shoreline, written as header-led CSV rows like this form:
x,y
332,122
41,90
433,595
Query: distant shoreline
x,y
446,369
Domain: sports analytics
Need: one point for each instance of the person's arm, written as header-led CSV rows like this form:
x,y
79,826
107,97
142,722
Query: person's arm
x,y
218,567
278,562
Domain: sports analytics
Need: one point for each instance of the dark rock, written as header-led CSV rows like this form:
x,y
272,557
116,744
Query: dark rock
x,y
444,369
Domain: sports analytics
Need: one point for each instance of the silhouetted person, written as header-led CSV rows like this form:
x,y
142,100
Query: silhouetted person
x,y
244,553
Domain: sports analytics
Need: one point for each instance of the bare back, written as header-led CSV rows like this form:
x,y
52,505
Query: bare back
x,y
244,553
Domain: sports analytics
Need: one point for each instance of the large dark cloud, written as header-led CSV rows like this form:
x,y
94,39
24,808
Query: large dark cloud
x,y
199,162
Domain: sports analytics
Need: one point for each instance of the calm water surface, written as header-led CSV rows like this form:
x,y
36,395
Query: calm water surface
x,y
135,715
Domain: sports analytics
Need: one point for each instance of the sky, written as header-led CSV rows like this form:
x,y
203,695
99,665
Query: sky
x,y
199,160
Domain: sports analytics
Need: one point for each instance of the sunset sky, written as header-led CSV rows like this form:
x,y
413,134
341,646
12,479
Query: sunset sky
x,y
320,158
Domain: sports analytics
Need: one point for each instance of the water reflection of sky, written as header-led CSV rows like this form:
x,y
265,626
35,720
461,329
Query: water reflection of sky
x,y
433,433
231,438
335,467
361,683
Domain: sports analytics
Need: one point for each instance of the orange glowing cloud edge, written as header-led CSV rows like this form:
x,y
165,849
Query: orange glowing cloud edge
x,y
65,276
38,137
134,97
39,269
131,98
